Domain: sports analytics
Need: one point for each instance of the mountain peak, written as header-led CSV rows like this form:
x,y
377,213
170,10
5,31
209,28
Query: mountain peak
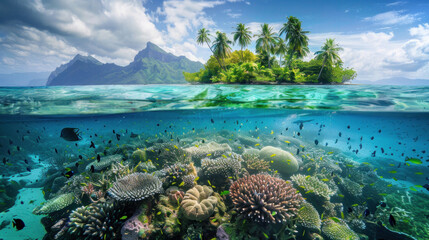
x,y
155,52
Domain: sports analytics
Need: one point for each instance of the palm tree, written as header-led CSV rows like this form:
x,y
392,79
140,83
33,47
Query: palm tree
x,y
204,37
242,34
266,41
329,54
296,37
221,47
281,49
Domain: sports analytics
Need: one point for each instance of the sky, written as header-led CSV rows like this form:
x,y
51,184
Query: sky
x,y
381,38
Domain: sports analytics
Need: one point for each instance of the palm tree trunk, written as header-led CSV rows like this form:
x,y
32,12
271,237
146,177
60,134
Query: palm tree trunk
x,y
323,65
268,55
216,57
290,58
242,55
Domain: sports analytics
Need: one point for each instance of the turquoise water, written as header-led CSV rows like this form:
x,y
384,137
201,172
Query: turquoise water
x,y
361,155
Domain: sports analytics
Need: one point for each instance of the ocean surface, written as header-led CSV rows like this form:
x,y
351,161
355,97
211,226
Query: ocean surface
x,y
353,159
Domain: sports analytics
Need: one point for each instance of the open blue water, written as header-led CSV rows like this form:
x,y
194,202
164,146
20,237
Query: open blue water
x,y
374,136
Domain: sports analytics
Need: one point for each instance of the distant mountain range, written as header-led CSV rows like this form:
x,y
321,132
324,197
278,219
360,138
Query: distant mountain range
x,y
394,81
25,79
152,65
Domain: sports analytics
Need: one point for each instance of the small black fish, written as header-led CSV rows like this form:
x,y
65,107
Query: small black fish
x,y
18,148
383,204
4,161
118,137
22,202
133,135
110,141
379,131
426,186
92,145
366,213
26,161
349,210
70,134
382,150
98,158
286,128
8,151
348,139
77,164
297,151
392,220
113,131
211,120
95,134
69,174
348,127
56,151
92,168
339,134
316,142
29,169
301,126
80,157
336,140
372,138
373,154
299,134
157,124
18,224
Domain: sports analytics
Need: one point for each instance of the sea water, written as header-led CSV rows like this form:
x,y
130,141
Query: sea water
x,y
369,145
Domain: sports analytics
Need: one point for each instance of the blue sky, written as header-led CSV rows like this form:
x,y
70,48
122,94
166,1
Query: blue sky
x,y
381,39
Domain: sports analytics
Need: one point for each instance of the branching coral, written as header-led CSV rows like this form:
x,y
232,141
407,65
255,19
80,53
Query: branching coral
x,y
312,185
58,203
135,187
335,230
173,175
198,203
351,187
96,221
254,164
166,154
309,217
266,199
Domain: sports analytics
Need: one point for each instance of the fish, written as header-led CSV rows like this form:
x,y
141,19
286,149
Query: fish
x,y
29,169
392,221
118,137
92,168
211,120
80,157
133,135
339,134
18,224
348,127
301,125
69,174
92,145
413,160
372,138
426,186
223,193
316,142
349,210
366,213
98,158
383,204
56,151
70,134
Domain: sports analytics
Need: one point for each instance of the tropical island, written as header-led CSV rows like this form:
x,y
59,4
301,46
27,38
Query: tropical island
x,y
245,67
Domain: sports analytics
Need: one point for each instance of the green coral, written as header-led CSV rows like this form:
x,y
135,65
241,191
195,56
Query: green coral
x,y
280,160
58,203
312,185
338,230
254,164
308,217
351,187
166,217
198,203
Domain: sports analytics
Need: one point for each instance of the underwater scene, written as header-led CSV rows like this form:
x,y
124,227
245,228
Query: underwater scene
x,y
214,162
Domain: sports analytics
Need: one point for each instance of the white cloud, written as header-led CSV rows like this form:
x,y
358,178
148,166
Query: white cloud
x,y
392,18
397,3
182,17
377,55
346,11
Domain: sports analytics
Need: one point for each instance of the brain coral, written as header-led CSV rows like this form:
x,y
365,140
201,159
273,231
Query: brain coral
x,y
309,217
312,185
338,230
135,187
55,204
279,159
263,198
198,203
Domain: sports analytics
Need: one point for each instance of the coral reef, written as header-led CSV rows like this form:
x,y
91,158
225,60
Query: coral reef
x,y
308,217
352,188
223,167
174,174
135,187
312,185
279,160
104,162
139,156
255,165
198,203
97,221
338,230
211,149
166,154
58,203
10,190
262,198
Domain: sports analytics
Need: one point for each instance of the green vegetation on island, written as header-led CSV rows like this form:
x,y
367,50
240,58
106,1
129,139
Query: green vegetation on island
x,y
276,60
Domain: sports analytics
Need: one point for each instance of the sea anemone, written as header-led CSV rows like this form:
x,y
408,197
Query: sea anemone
x,y
266,199
135,187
